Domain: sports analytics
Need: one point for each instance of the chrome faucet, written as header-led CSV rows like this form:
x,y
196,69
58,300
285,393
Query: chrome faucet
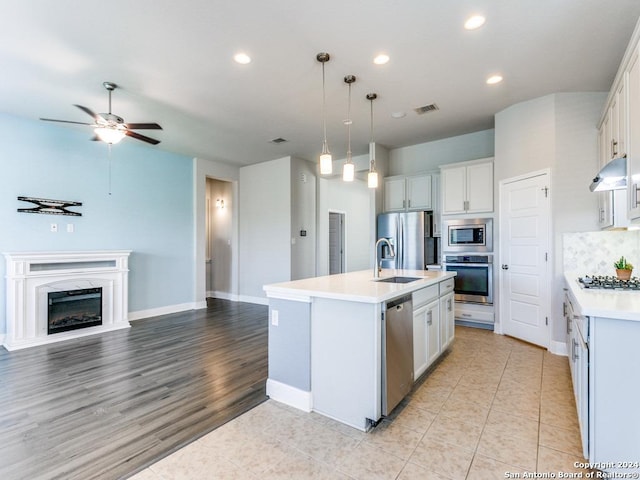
x,y
378,266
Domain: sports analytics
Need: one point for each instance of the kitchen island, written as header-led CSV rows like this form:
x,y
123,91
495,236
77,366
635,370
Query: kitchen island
x,y
326,339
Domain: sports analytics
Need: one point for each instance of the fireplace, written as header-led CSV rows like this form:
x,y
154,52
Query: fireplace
x,y
56,296
74,309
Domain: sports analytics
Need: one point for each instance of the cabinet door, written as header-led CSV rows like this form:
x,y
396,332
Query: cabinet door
x,y
419,192
437,205
621,102
454,190
447,320
394,194
605,203
480,188
419,342
432,319
633,141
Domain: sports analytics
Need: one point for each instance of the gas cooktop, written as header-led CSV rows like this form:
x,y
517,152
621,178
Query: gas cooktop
x,y
607,282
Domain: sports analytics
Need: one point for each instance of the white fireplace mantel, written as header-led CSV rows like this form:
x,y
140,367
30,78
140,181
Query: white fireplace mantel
x,y
32,275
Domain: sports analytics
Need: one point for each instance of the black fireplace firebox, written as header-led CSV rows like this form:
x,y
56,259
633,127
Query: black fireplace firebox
x,y
73,309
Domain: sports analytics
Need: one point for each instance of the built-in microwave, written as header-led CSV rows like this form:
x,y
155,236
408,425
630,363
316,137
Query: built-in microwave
x,y
469,235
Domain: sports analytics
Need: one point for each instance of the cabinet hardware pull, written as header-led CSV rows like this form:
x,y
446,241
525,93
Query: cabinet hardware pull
x,y
449,305
635,191
430,317
505,267
564,309
614,150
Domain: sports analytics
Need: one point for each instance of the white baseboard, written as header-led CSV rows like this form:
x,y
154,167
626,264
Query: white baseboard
x,y
559,348
251,299
294,397
223,295
154,312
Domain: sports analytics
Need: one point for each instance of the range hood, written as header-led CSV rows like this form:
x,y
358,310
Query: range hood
x,y
613,176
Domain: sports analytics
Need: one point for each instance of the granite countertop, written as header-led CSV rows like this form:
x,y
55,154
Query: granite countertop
x,y
356,286
620,304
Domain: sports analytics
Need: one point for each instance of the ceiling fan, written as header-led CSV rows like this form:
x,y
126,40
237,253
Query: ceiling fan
x,y
111,128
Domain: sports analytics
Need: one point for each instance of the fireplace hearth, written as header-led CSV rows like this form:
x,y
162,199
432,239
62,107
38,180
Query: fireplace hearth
x,y
74,309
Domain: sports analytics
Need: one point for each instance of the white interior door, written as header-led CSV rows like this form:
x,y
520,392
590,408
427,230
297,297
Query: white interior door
x,y
524,258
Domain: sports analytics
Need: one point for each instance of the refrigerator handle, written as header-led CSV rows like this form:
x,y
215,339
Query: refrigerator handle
x,y
400,249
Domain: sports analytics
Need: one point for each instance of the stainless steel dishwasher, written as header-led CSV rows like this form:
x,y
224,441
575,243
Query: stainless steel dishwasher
x,y
397,348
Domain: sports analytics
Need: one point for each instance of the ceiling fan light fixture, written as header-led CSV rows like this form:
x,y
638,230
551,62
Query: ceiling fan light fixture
x,y
110,135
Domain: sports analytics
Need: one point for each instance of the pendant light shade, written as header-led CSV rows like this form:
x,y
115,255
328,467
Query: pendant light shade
x,y
372,177
326,161
349,169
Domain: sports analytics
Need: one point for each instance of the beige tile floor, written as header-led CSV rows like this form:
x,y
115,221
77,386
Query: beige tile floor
x,y
493,405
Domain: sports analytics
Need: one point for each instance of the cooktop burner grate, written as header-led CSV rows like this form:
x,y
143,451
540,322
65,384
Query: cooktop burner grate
x,y
608,282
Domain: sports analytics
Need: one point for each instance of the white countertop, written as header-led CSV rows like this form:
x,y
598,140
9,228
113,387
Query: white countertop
x,y
621,304
356,286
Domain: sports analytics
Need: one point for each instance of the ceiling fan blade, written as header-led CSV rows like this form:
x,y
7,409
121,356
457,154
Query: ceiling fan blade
x,y
87,111
137,136
142,126
65,121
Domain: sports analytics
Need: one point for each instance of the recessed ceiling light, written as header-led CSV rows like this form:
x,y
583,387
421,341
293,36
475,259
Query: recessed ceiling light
x,y
381,59
493,79
242,58
399,114
476,21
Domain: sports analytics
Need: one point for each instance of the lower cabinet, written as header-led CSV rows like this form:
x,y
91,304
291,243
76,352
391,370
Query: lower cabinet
x,y
426,341
447,320
433,324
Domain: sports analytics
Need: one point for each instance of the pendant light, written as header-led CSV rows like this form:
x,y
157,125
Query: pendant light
x,y
349,169
326,162
372,177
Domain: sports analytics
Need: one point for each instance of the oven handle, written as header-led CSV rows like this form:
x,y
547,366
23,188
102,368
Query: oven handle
x,y
479,265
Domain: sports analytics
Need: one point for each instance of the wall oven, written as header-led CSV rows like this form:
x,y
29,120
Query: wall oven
x,y
473,282
468,235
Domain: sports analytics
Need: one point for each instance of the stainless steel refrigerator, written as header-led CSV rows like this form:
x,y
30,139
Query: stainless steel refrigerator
x,y
411,235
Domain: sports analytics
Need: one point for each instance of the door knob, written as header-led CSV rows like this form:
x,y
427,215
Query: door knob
x,y
505,267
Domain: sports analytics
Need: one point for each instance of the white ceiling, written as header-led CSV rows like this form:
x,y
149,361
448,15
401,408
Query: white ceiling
x,y
173,62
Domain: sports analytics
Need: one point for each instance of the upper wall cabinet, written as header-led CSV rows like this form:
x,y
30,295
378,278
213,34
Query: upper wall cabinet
x,y
408,193
633,138
619,135
467,187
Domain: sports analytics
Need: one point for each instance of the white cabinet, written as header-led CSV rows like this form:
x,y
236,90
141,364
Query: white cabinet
x,y
633,140
447,320
437,205
408,193
602,353
426,342
467,187
433,324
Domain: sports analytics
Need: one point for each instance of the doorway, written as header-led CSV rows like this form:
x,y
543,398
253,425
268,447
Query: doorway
x,y
336,242
219,222
525,257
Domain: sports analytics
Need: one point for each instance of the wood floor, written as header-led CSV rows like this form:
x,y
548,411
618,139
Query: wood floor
x,y
105,406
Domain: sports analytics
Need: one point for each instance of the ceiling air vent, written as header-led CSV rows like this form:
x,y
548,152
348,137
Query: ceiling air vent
x,y
426,109
278,140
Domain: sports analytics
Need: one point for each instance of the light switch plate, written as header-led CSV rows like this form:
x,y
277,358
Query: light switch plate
x,y
274,318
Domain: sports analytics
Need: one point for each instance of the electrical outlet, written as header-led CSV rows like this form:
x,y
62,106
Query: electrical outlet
x,y
54,227
274,318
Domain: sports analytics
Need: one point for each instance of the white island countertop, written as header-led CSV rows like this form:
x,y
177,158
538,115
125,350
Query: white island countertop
x,y
595,302
356,286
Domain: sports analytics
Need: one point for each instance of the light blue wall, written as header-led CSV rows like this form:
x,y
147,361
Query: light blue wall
x,y
430,155
149,211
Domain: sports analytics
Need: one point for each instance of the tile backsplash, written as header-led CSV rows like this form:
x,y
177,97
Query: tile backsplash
x,y
594,252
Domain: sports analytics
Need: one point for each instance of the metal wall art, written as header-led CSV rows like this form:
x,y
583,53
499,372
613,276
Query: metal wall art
x,y
50,207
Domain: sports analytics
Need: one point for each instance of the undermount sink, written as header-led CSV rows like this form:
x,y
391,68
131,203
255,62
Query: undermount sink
x,y
398,279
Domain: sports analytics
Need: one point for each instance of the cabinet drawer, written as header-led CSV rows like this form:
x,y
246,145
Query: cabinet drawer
x,y
424,295
473,315
446,286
